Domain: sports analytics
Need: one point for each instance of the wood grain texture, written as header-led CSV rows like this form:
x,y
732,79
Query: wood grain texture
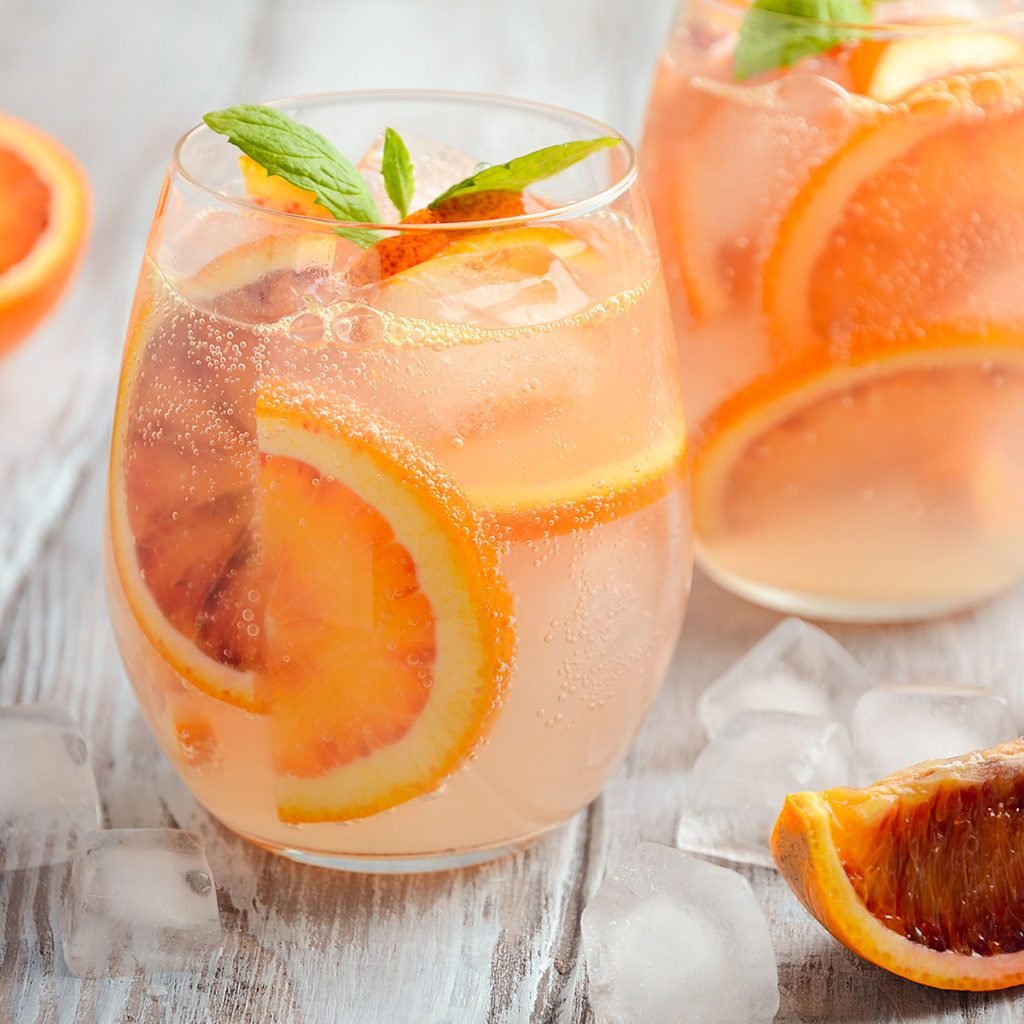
x,y
118,82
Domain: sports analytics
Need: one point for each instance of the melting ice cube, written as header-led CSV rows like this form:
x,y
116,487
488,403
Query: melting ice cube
x,y
48,796
897,726
140,900
742,777
797,668
672,939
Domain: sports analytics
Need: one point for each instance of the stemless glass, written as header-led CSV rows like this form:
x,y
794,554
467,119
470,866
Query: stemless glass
x,y
844,241
397,561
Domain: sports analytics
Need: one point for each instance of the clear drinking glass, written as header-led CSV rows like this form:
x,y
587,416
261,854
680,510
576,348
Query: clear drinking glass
x,y
844,241
397,561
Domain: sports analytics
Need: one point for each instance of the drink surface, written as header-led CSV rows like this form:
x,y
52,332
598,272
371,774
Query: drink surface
x,y
842,240
395,567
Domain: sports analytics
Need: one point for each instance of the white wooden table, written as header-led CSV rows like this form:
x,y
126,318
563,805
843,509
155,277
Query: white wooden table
x,y
119,81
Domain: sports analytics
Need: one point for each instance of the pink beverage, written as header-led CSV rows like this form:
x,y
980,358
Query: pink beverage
x,y
843,232
399,535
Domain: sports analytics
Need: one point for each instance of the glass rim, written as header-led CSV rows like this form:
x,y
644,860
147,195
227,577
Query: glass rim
x,y
576,208
950,23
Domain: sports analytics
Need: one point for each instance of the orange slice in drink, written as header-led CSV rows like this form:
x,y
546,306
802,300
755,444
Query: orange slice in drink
x,y
918,219
388,637
44,213
184,462
510,277
741,156
823,428
919,873
887,69
506,290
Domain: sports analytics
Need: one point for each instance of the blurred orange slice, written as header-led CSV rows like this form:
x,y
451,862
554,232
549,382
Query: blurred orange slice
x,y
914,221
44,214
887,69
759,457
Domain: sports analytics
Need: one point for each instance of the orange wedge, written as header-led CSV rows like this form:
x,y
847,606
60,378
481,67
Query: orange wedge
x,y
919,873
914,221
388,636
44,214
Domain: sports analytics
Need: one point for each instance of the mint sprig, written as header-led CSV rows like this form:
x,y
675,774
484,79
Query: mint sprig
x,y
523,171
397,170
778,33
302,156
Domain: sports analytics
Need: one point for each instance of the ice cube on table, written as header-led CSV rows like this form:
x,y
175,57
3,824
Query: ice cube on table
x,y
48,796
796,667
436,166
672,939
898,726
140,900
740,780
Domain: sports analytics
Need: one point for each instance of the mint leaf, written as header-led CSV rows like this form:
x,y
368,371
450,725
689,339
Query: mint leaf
x,y
777,33
303,157
525,170
397,171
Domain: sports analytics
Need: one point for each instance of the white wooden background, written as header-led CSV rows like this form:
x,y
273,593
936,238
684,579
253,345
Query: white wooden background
x,y
119,81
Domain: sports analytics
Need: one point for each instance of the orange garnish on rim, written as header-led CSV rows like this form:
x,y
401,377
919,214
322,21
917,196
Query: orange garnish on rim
x,y
275,193
44,214
919,873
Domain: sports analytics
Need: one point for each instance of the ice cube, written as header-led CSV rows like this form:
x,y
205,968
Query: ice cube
x,y
48,796
796,667
436,166
897,726
672,939
742,777
140,900
513,279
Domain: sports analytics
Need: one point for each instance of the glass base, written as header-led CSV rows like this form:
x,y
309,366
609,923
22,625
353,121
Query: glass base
x,y
833,609
384,864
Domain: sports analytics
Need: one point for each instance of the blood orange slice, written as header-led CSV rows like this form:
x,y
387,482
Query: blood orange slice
x,y
887,69
893,231
827,430
388,626
44,213
918,873
184,464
